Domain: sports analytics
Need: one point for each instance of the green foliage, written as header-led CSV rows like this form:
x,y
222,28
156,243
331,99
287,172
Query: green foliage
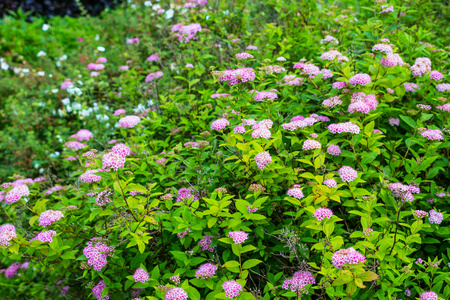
x,y
149,217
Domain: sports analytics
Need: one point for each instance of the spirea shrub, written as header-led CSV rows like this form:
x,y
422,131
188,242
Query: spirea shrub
x,y
227,150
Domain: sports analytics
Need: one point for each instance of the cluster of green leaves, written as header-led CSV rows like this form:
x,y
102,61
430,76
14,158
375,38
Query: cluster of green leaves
x,y
283,236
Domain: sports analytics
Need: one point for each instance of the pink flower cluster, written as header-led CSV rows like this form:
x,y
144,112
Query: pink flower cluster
x,y
120,111
129,121
420,214
176,293
310,145
45,236
362,103
97,252
12,270
96,67
332,101
140,275
347,256
299,122
339,85
74,145
421,66
153,76
347,174
186,33
445,107
263,159
7,233
261,96
442,87
423,106
292,80
98,289
206,271
298,282
113,160
89,177
404,192
392,60
385,9
386,48
435,217
53,189
239,129
307,69
295,192
50,216
333,54
348,127
433,135
184,194
329,39
237,76
334,150
220,124
244,55
429,296
103,197
66,84
16,193
436,75
361,79
411,87
322,213
205,243
330,183
153,57
232,289
82,135
218,95
238,236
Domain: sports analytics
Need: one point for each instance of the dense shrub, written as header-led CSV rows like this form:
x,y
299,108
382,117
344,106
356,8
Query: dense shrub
x,y
222,150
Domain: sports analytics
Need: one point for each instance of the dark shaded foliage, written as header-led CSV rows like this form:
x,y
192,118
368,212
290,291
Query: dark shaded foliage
x,y
50,8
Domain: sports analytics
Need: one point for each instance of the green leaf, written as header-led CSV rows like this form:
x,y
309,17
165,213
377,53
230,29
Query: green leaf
x,y
408,121
368,276
251,263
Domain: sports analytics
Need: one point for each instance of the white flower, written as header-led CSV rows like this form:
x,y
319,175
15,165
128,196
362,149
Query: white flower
x,y
50,75
148,3
85,113
65,101
101,49
68,108
156,7
41,73
140,108
133,6
4,65
54,91
64,57
226,12
76,106
25,70
207,17
41,53
60,112
41,170
74,91
150,103
45,27
97,37
41,104
169,14
58,64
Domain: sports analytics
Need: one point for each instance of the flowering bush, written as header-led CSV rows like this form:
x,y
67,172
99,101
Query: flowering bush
x,y
213,150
